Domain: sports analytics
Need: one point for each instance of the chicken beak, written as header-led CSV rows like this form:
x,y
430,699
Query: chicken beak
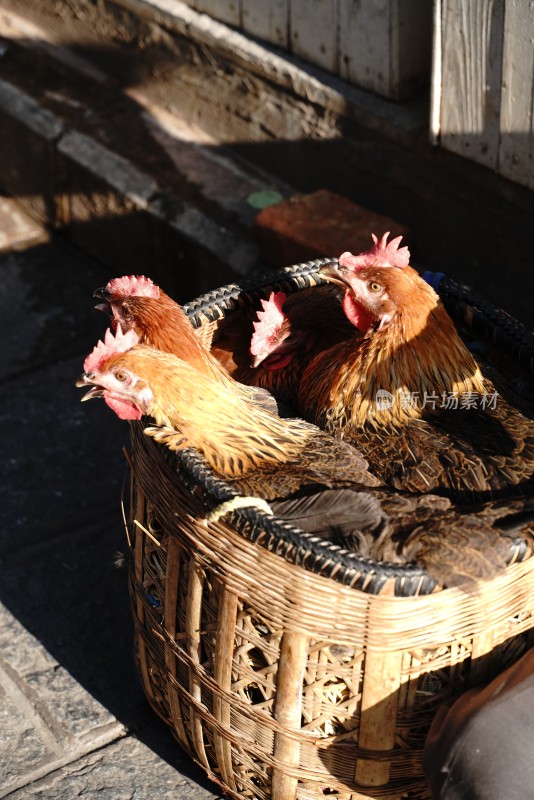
x,y
256,361
103,294
331,273
94,391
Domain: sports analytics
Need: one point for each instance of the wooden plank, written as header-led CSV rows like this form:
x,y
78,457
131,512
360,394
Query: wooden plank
x,y
411,47
385,46
435,80
313,32
228,11
364,44
516,142
267,19
471,69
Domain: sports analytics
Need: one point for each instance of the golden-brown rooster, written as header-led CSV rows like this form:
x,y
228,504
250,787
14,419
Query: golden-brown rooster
x,y
409,394
137,303
308,477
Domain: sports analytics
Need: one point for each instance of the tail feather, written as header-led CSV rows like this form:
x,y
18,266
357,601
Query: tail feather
x,y
352,520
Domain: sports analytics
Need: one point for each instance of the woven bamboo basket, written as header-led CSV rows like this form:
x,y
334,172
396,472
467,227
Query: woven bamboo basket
x,y
286,667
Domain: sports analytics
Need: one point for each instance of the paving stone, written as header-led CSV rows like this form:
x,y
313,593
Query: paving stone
x,y
69,596
68,705
46,717
22,651
130,769
22,749
318,225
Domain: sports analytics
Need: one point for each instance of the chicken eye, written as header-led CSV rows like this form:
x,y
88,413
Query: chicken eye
x,y
126,313
120,375
373,286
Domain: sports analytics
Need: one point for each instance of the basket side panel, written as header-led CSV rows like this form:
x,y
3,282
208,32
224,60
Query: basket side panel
x,y
297,684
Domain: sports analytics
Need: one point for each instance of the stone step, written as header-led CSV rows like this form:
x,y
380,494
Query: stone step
x,y
156,70
129,182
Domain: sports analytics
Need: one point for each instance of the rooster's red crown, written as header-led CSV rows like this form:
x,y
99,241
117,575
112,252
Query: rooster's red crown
x,y
112,344
269,321
382,254
133,286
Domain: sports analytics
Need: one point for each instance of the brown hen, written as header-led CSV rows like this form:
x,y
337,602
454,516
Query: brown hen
x,y
273,350
409,394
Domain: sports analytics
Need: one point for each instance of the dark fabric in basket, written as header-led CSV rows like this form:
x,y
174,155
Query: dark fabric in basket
x,y
482,746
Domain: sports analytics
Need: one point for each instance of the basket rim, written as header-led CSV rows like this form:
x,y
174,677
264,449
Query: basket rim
x,y
297,546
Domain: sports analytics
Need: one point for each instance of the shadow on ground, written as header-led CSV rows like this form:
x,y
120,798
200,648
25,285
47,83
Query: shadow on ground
x,y
62,475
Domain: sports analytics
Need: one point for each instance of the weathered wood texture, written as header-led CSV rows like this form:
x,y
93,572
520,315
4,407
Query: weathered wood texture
x,y
515,145
225,10
383,46
267,20
483,94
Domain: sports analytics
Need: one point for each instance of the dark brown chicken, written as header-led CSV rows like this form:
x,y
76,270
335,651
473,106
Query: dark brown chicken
x,y
273,349
308,477
409,394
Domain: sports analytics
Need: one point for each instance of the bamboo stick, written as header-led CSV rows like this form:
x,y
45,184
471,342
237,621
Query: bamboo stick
x,y
288,710
139,550
171,599
222,673
378,722
192,622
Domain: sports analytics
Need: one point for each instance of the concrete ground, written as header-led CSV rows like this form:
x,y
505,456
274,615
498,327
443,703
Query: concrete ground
x,y
73,719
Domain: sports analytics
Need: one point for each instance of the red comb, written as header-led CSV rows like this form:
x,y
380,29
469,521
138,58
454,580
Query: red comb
x,y
269,321
112,344
382,254
133,286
